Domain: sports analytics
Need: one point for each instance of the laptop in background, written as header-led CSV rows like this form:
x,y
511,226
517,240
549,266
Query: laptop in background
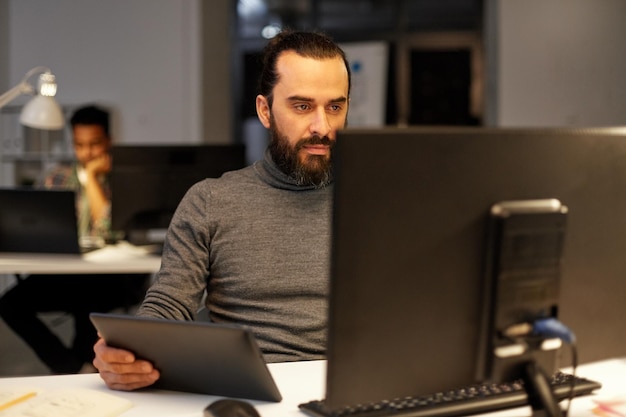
x,y
38,220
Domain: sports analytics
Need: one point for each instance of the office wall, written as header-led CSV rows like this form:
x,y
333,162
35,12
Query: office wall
x,y
4,44
141,57
556,63
218,17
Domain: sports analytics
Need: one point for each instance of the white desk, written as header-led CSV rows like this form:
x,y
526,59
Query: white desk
x,y
113,259
301,382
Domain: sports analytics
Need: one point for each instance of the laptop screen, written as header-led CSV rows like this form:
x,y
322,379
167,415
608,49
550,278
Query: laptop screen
x,y
38,220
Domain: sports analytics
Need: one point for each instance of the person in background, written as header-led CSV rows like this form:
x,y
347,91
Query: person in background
x,y
76,295
257,240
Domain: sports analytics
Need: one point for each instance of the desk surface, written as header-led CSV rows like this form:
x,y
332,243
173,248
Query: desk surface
x,y
113,259
301,382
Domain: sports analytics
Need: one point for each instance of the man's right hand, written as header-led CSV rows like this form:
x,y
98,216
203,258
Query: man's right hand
x,y
120,370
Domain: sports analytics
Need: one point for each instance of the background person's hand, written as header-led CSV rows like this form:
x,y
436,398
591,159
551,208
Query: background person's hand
x,y
120,370
99,165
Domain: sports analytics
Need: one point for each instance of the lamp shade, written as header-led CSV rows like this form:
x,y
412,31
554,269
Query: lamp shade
x,y
42,112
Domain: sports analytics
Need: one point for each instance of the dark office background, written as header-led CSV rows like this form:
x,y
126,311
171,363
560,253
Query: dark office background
x,y
439,82
525,63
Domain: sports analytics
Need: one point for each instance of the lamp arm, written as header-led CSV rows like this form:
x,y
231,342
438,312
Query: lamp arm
x,y
15,92
22,88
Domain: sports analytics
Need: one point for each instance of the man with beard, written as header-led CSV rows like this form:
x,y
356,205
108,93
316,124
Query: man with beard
x,y
257,240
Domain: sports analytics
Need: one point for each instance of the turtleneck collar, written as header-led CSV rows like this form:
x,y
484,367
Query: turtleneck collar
x,y
267,169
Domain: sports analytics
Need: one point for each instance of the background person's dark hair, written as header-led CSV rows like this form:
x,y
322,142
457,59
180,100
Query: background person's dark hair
x,y
307,44
91,115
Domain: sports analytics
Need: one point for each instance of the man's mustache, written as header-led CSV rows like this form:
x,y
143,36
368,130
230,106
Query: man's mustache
x,y
316,140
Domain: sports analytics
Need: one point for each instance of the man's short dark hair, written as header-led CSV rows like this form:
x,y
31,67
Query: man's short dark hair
x,y
315,45
91,115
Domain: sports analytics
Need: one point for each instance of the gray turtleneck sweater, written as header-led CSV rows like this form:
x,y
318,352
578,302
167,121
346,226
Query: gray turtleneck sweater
x,y
260,246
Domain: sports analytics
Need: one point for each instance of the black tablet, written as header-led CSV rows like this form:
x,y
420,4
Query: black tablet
x,y
200,357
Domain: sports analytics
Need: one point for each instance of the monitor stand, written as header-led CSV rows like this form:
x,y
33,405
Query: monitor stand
x,y
540,396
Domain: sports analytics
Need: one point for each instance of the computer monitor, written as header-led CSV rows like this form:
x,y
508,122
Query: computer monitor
x,y
409,251
148,182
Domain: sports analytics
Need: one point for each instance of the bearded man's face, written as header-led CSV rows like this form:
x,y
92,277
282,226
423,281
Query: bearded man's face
x,y
305,168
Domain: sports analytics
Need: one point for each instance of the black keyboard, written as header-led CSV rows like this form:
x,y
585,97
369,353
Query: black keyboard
x,y
473,399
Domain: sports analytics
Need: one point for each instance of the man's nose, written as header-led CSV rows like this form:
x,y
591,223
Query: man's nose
x,y
320,125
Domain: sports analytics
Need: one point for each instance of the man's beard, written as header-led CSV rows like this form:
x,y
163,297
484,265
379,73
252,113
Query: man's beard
x,y
315,170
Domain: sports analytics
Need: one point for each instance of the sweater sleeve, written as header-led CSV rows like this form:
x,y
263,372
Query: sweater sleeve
x,y
180,284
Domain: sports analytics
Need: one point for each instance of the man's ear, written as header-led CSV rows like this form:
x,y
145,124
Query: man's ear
x,y
263,110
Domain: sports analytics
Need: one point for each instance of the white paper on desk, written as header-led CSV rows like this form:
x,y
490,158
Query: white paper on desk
x,y
118,252
72,402
14,395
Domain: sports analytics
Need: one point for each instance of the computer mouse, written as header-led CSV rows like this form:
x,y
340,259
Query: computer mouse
x,y
228,407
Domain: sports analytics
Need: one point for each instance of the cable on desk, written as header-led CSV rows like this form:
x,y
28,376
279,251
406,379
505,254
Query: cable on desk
x,y
551,327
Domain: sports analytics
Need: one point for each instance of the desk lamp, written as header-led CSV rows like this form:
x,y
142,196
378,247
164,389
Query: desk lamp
x,y
42,111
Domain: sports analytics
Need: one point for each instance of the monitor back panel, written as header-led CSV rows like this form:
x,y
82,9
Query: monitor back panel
x,y
38,220
409,221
